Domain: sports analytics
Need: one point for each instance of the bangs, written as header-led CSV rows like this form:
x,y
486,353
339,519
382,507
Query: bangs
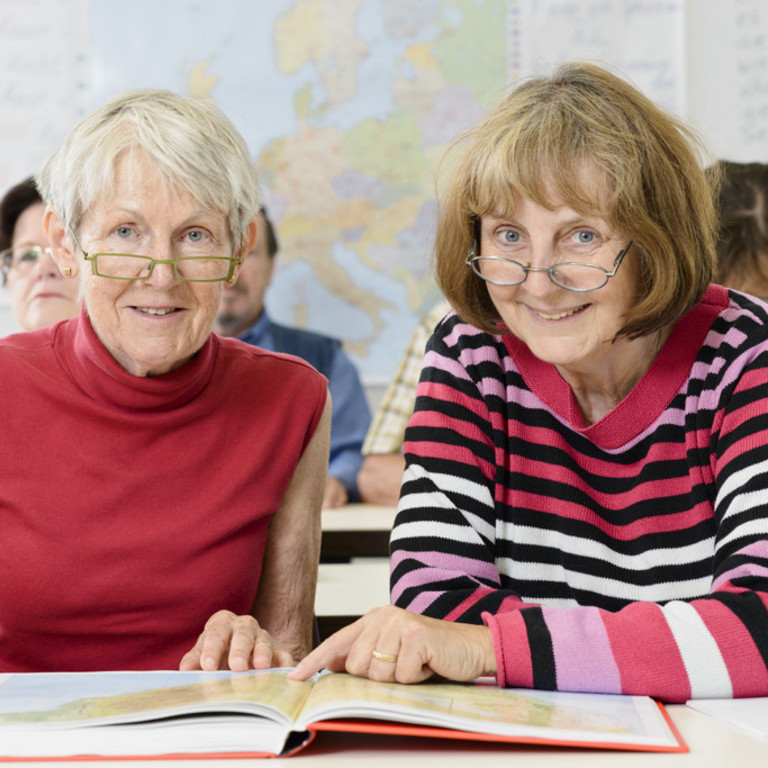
x,y
546,158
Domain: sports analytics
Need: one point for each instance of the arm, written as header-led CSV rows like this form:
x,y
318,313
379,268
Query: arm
x,y
381,474
705,638
280,629
286,600
351,418
444,538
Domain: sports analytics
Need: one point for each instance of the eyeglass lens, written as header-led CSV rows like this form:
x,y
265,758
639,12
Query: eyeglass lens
x,y
574,277
128,266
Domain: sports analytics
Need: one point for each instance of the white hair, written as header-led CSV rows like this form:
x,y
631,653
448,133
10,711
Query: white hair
x,y
194,145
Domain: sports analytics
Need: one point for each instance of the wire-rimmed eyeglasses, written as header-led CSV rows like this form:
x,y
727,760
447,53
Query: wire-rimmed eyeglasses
x,y
22,257
577,276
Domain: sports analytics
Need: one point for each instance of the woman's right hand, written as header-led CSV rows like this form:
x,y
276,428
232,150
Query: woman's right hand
x,y
409,648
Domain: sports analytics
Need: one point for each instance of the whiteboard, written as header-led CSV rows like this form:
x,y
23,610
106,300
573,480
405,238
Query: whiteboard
x,y
705,60
728,65
642,41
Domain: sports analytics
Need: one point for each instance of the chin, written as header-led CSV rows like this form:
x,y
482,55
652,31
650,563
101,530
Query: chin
x,y
567,352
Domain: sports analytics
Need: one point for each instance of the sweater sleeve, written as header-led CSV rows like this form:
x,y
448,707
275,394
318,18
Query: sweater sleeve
x,y
444,550
444,538
713,646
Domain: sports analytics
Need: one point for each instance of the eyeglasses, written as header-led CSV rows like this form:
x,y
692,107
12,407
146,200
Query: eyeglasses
x,y
22,258
577,276
130,266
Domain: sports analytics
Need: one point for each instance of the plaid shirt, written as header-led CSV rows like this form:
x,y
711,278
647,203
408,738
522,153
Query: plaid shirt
x,y
391,419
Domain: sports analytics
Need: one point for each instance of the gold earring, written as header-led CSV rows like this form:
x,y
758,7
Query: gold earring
x,y
67,271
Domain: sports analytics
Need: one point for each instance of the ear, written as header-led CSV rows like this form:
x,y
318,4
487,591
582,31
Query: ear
x,y
62,246
248,243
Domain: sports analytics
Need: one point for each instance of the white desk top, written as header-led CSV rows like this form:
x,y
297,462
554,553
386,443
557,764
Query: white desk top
x,y
358,517
713,744
352,589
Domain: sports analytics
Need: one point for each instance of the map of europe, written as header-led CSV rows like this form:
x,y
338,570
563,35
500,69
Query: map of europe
x,y
347,107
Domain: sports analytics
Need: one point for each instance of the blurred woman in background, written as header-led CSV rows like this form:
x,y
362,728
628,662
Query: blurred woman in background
x,y
40,294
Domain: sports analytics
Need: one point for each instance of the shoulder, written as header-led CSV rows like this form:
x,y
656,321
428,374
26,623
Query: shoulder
x,y
452,333
741,322
304,336
462,351
27,344
245,359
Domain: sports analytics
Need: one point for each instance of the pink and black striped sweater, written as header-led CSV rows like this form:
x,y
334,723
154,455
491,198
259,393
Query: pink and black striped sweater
x,y
626,556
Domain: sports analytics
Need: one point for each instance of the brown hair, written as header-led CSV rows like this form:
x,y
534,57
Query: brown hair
x,y
15,201
742,246
537,143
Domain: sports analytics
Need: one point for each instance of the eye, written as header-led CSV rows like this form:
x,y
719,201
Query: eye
x,y
124,231
196,235
29,254
510,236
585,237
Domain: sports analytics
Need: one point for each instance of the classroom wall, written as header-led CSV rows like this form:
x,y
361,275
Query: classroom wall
x,y
348,105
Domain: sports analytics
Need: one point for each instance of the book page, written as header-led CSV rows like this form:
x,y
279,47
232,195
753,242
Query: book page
x,y
82,699
485,708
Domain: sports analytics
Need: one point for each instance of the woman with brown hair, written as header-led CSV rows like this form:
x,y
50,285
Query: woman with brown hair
x,y
584,500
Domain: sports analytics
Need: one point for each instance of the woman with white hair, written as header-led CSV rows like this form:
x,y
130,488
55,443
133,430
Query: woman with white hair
x,y
177,490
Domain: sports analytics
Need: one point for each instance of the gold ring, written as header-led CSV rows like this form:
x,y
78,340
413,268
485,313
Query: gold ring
x,y
383,656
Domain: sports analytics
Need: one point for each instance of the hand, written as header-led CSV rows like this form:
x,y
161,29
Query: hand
x,y
422,647
234,642
379,478
335,493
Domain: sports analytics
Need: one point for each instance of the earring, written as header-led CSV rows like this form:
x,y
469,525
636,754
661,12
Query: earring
x,y
67,271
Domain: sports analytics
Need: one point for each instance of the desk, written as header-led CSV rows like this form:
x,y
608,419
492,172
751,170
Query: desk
x,y
358,536
345,591
713,744
356,530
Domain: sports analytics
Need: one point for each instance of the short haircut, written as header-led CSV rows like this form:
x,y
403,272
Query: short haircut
x,y
15,201
742,246
193,144
538,142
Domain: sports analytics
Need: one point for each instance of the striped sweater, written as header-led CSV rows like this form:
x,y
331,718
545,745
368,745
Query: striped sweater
x,y
627,556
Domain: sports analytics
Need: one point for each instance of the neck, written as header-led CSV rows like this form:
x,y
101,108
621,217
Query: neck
x,y
598,390
234,325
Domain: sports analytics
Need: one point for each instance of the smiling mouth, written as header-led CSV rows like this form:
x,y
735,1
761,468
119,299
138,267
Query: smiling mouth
x,y
558,315
162,311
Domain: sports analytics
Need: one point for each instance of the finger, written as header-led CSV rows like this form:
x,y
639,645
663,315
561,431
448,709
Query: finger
x,y
282,659
213,644
190,661
330,654
376,656
261,651
244,631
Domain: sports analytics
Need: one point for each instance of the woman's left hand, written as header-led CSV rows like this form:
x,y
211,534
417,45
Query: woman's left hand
x,y
234,642
394,645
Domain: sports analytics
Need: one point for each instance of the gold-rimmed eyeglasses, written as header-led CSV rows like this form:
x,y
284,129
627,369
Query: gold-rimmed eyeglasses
x,y
577,276
131,266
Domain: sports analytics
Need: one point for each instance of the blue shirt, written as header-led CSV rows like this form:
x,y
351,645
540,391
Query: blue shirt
x,y
350,416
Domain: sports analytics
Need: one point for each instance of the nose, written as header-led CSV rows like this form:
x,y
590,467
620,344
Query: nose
x,y
163,275
538,282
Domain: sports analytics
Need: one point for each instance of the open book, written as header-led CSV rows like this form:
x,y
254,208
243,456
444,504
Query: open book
x,y
172,714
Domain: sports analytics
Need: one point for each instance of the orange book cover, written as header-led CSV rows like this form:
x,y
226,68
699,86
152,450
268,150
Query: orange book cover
x,y
130,715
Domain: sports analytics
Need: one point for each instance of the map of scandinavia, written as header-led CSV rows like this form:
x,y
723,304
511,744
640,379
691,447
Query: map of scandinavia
x,y
347,106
